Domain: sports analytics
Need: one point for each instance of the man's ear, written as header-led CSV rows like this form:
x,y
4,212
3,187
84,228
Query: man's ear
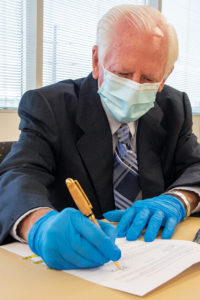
x,y
163,81
95,62
161,86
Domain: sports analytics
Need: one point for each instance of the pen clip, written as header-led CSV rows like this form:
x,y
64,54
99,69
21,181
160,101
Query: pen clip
x,y
83,193
79,197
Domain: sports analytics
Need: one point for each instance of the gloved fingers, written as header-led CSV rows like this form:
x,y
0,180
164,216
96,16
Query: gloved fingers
x,y
78,251
154,225
138,224
78,261
66,249
86,250
126,221
55,261
96,236
106,246
169,228
114,215
109,229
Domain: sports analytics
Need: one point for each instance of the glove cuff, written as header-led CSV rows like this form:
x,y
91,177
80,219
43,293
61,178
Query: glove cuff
x,y
184,199
182,212
33,233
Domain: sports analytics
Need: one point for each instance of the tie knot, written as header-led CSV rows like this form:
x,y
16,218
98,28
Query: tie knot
x,y
123,134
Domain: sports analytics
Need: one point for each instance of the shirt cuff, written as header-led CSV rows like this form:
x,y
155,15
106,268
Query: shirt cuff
x,y
13,231
195,189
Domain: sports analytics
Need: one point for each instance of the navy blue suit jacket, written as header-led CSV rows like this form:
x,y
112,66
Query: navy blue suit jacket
x,y
65,133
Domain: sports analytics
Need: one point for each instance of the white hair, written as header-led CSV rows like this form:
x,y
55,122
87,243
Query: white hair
x,y
142,18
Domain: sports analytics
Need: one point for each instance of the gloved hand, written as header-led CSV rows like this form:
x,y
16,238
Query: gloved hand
x,y
69,240
164,210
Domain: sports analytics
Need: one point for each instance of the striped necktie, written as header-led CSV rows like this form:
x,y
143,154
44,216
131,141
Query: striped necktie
x,y
125,173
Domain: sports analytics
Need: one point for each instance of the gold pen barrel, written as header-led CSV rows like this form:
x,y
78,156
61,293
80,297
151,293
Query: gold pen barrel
x,y
83,203
78,197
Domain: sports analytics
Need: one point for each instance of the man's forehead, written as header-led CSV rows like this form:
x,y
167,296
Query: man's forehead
x,y
127,43
130,36
137,46
124,31
125,58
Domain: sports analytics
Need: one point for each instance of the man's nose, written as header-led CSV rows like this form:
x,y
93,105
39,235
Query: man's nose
x,y
136,77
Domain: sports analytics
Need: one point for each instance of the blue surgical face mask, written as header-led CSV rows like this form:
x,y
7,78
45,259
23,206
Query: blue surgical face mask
x,y
126,100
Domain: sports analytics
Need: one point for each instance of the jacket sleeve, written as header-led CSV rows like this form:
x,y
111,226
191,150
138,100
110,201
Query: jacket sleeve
x,y
187,153
29,169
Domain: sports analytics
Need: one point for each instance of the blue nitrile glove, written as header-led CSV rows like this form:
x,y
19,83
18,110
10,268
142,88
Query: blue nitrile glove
x,y
69,240
163,210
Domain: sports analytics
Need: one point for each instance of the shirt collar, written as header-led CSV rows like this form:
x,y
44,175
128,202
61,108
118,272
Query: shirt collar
x,y
114,124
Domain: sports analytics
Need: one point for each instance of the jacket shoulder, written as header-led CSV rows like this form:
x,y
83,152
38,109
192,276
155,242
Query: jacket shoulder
x,y
169,93
171,99
55,91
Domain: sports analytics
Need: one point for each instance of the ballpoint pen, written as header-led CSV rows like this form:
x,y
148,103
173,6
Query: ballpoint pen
x,y
83,203
197,237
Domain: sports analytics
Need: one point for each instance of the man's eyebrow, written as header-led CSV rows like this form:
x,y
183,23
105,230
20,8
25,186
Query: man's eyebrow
x,y
120,69
150,76
125,71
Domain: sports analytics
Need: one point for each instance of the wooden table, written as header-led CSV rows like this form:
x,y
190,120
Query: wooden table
x,y
21,279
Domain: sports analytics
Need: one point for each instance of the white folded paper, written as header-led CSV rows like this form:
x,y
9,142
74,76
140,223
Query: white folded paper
x,y
144,266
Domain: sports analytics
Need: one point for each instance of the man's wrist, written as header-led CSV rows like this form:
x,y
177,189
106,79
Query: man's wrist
x,y
192,197
26,224
189,199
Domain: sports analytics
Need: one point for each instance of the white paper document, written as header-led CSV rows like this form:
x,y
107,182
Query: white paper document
x,y
144,266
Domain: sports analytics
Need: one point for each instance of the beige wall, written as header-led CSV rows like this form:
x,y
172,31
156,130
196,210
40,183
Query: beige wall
x,y
196,126
9,122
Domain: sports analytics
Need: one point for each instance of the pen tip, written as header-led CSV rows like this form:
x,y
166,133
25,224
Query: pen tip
x,y
117,264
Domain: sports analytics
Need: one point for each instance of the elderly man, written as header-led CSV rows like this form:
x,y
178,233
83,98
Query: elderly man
x,y
125,136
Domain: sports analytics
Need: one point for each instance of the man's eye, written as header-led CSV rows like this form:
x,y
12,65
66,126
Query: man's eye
x,y
125,74
148,79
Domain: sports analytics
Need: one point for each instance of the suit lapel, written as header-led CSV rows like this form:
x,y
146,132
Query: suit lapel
x,y
150,140
95,144
95,147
